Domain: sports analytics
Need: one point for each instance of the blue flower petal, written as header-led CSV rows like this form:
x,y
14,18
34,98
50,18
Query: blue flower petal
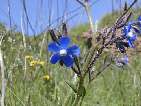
x,y
137,30
74,50
64,42
133,38
139,18
53,47
130,43
55,58
127,29
68,60
130,36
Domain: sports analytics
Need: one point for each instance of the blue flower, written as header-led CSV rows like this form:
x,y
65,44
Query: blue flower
x,y
122,61
131,38
62,51
129,35
127,29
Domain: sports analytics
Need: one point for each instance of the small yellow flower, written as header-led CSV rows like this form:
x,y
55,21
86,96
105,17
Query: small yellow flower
x,y
46,77
33,63
41,63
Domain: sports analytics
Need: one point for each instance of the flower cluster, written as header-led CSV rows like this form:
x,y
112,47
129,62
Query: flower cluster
x,y
132,30
63,52
36,62
33,62
130,33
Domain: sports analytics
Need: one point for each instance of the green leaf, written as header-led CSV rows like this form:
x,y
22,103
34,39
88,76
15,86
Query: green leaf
x,y
73,87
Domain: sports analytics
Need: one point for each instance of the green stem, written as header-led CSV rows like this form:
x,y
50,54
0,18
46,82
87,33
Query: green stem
x,y
76,102
79,93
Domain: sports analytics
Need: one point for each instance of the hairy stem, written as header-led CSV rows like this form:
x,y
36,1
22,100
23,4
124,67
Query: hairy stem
x,y
79,94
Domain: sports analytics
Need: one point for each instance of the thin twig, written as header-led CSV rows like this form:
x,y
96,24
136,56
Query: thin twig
x,y
100,71
9,13
69,13
27,17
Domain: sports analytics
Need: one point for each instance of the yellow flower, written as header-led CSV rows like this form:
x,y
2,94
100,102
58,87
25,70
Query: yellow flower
x,y
41,62
46,77
36,62
28,57
33,63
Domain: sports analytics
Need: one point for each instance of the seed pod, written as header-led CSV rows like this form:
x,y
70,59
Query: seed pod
x,y
53,36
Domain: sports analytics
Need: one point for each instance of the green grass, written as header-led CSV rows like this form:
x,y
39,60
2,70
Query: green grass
x,y
114,87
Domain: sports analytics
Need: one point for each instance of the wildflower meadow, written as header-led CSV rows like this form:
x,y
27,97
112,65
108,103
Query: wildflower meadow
x,y
71,59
